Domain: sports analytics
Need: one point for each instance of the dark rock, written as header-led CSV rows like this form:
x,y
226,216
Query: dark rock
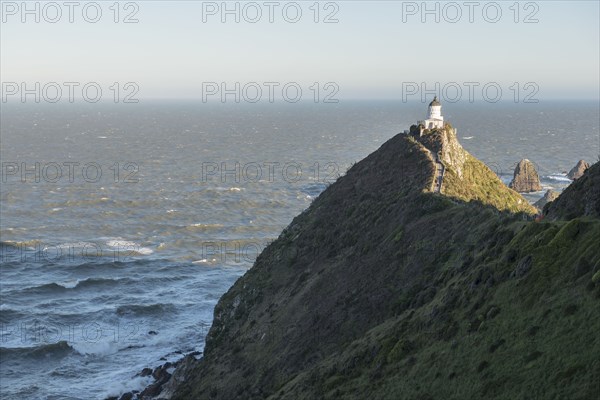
x,y
578,170
184,366
152,333
161,377
152,390
127,396
526,178
146,372
160,373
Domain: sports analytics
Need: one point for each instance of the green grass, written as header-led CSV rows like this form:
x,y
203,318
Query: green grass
x,y
522,344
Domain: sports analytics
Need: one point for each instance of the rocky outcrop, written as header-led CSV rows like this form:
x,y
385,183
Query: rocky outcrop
x,y
444,143
578,170
465,177
182,368
526,178
549,196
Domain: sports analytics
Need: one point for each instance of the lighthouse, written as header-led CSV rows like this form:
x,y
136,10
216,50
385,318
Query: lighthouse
x,y
435,119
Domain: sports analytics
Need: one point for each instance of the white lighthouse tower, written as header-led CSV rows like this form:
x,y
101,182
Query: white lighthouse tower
x,y
435,119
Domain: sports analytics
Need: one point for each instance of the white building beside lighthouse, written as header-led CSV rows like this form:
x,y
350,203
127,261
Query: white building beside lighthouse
x,y
435,119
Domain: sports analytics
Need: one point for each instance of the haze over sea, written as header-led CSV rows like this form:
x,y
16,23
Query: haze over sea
x,y
118,262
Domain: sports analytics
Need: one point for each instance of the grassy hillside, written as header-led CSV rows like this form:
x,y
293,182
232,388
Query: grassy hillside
x,y
482,184
468,179
382,289
582,197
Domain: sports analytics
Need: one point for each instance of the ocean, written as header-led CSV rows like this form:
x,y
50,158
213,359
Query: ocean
x,y
122,225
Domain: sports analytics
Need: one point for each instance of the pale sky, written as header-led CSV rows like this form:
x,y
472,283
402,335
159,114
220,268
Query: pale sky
x,y
373,49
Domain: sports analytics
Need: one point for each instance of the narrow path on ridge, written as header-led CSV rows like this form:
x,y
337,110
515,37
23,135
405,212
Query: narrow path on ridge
x,y
439,173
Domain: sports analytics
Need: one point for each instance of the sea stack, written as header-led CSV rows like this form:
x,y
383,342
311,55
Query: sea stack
x,y
577,171
549,196
526,178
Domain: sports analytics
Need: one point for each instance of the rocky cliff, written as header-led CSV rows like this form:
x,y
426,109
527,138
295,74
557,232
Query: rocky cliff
x,y
383,289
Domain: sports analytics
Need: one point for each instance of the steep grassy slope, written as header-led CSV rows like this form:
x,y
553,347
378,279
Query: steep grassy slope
x,y
382,289
582,197
467,178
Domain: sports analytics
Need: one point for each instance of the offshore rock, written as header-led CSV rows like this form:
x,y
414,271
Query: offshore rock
x,y
549,196
526,178
578,170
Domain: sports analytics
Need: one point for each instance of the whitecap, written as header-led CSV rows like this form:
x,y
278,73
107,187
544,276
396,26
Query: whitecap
x,y
558,177
205,261
119,388
90,347
70,284
120,243
125,246
144,251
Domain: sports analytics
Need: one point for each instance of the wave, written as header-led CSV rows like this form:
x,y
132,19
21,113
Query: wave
x,y
145,310
54,288
101,348
59,349
315,189
26,244
204,227
7,315
558,178
128,247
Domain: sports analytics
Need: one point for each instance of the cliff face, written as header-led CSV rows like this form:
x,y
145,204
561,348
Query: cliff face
x,y
382,289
